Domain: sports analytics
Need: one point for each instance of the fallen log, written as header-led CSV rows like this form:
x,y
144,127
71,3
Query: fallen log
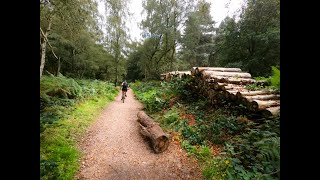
x,y
159,139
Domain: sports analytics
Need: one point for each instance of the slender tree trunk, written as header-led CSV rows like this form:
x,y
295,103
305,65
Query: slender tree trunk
x,y
72,60
58,68
116,81
107,73
174,39
43,48
145,71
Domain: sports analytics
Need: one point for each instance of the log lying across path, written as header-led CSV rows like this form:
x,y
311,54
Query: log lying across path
x,y
221,84
151,129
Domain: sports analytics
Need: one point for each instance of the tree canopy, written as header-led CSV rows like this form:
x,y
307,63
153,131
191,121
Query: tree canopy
x,y
178,34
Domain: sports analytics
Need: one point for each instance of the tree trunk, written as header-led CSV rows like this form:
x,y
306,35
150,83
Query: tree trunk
x,y
43,48
159,139
58,68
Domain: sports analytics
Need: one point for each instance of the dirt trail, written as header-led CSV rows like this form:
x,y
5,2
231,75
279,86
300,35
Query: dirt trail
x,y
114,149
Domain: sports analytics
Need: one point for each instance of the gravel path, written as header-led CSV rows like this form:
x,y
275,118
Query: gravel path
x,y
114,149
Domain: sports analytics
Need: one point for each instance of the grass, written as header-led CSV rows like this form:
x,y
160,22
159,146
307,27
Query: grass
x,y
59,153
58,143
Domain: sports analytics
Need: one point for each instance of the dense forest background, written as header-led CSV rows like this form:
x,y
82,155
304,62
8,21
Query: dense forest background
x,y
179,34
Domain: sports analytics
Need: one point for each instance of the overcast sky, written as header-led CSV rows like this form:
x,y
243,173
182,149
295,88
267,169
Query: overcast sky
x,y
219,10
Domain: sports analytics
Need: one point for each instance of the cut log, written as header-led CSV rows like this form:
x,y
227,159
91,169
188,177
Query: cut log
x,y
220,69
232,91
228,87
264,97
195,71
260,105
243,81
271,111
222,84
159,139
232,97
215,86
208,74
261,92
238,95
230,80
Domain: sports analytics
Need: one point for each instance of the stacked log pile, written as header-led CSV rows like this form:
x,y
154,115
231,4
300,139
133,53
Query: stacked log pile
x,y
229,84
169,75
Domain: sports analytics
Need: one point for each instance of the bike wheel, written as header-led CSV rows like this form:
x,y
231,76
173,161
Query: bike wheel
x,y
122,99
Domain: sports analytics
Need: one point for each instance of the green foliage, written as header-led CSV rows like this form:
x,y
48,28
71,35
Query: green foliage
x,y
273,82
154,94
60,87
250,150
191,149
258,151
58,94
254,87
63,120
253,42
170,117
197,41
193,136
216,168
275,78
48,168
73,42
202,152
150,99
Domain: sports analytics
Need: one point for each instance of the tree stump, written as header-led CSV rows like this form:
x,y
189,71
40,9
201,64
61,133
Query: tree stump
x,y
151,129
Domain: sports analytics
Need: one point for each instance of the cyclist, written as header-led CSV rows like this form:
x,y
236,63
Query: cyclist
x,y
124,89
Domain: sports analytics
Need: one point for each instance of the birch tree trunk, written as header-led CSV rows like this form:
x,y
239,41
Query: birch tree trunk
x,y
43,48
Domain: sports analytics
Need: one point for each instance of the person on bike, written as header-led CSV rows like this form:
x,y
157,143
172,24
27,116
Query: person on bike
x,y
124,88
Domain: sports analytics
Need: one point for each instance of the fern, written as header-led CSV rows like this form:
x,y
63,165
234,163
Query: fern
x,y
269,154
275,78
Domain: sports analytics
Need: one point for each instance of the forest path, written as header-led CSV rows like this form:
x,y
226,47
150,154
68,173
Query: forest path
x,y
113,148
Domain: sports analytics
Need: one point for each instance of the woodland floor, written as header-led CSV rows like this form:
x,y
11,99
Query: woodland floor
x,y
113,148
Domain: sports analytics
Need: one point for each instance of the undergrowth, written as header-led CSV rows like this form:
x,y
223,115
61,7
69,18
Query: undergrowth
x,y
67,107
273,81
247,149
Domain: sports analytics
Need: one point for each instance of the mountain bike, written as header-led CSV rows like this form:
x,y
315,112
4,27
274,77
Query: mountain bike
x,y
124,95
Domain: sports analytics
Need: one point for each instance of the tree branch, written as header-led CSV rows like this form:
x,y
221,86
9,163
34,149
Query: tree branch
x,y
45,38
